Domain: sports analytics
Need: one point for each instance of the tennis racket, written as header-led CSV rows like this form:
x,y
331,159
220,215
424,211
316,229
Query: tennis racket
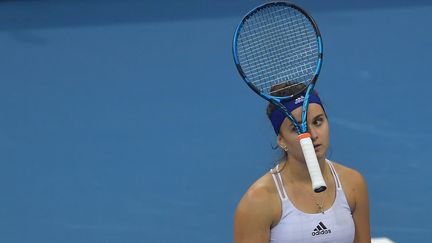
x,y
276,45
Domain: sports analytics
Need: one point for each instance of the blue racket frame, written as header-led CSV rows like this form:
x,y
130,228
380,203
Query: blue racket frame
x,y
301,128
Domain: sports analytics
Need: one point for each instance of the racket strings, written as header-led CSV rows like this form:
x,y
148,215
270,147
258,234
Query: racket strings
x,y
302,48
263,37
277,90
271,27
299,72
276,48
277,45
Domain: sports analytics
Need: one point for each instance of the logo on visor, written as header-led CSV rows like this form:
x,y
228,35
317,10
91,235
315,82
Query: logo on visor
x,y
299,100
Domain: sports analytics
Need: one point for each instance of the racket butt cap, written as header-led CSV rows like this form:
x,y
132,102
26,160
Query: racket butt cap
x,y
320,189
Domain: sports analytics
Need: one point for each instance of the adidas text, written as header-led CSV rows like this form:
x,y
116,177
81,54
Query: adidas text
x,y
321,232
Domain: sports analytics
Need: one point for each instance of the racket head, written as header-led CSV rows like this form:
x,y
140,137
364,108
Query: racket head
x,y
277,50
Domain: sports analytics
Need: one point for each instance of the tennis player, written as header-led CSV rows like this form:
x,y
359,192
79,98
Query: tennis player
x,y
281,207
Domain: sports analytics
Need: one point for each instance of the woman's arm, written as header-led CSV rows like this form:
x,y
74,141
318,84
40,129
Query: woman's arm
x,y
253,217
361,210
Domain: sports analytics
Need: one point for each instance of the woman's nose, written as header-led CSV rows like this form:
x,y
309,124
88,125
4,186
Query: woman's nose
x,y
313,133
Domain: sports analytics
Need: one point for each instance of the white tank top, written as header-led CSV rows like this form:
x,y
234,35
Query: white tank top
x,y
334,225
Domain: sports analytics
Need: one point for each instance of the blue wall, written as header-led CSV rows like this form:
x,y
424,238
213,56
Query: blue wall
x,y
126,121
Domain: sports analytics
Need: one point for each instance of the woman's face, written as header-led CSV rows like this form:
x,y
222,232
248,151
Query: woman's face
x,y
317,126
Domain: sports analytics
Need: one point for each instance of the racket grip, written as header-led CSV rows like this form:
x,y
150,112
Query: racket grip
x,y
318,183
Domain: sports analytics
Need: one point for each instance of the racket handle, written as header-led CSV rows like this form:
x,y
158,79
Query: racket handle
x,y
318,183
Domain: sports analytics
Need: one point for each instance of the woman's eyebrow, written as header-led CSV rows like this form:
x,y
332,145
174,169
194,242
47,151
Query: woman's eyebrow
x,y
317,116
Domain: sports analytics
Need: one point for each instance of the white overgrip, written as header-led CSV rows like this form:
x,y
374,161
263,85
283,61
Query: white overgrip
x,y
318,183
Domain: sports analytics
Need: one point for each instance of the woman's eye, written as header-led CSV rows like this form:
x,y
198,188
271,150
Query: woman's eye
x,y
318,121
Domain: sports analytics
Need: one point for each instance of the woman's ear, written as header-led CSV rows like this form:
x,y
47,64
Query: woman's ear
x,y
281,142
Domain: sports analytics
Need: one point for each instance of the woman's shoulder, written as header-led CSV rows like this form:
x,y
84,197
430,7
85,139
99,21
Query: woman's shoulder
x,y
353,183
261,200
348,174
261,190
257,211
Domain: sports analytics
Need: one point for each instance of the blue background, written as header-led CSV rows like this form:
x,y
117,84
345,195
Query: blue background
x,y
126,121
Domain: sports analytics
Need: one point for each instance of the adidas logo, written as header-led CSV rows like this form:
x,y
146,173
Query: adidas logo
x,y
321,229
299,100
